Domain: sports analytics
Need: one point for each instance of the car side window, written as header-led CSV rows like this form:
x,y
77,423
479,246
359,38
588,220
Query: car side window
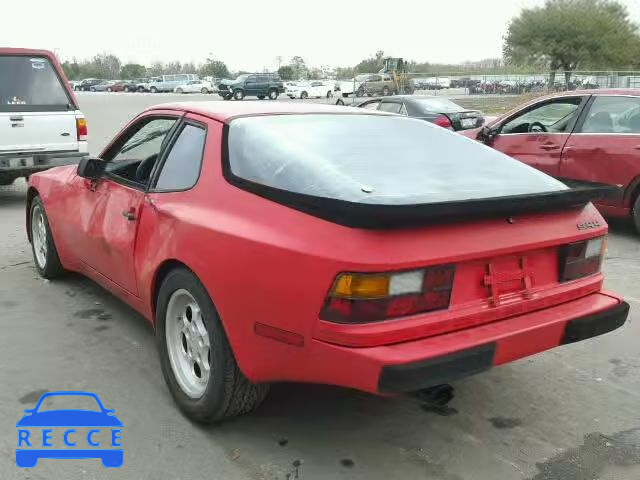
x,y
251,79
390,107
613,115
181,167
553,117
134,154
371,105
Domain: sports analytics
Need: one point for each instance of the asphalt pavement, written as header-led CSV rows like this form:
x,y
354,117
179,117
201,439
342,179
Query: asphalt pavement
x,y
567,414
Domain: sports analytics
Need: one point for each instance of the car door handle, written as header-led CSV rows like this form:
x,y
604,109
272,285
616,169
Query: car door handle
x,y
549,146
129,215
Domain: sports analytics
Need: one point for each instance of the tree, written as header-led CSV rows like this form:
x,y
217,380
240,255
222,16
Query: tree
x,y
156,68
570,33
105,65
133,70
214,68
372,64
286,72
299,67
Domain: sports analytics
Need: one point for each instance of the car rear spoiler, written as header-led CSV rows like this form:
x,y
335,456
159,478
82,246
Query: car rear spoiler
x,y
375,216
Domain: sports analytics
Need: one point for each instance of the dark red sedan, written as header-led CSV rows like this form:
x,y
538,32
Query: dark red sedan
x,y
313,243
591,135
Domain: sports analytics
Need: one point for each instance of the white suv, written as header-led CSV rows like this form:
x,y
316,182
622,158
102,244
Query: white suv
x,y
41,125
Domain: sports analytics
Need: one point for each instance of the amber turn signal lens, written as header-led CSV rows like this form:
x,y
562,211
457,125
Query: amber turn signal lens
x,y
361,286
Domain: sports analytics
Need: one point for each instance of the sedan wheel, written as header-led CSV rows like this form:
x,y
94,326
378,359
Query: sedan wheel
x,y
109,89
197,360
386,91
45,255
238,95
204,90
179,90
126,89
273,94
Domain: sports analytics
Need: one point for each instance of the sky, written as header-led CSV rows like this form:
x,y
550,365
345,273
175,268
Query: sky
x,y
251,34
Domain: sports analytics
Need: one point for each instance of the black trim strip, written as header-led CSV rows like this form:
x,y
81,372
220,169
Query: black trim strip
x,y
410,377
595,324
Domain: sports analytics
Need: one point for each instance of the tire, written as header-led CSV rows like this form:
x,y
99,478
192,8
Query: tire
x,y
45,255
141,89
329,94
153,90
225,392
385,91
304,95
345,95
635,213
127,89
238,95
92,89
179,90
273,94
204,90
260,97
360,92
109,89
227,97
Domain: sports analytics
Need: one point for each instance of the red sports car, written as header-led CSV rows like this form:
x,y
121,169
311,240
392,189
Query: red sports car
x,y
591,135
314,243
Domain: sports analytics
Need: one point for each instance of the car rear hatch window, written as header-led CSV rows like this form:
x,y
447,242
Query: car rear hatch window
x,y
369,170
31,84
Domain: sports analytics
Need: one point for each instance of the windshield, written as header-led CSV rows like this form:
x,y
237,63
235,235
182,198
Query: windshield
x,y
374,159
439,105
241,78
30,84
362,78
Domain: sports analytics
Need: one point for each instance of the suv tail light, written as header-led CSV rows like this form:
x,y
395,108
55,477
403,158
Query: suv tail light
x,y
443,121
370,297
81,128
581,259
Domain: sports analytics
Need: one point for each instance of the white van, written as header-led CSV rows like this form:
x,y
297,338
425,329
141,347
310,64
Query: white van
x,y
167,83
41,125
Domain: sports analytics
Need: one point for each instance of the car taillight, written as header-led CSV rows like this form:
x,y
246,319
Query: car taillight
x,y
370,297
443,121
581,259
81,128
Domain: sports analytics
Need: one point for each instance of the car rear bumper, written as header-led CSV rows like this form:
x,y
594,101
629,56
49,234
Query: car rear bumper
x,y
411,366
20,164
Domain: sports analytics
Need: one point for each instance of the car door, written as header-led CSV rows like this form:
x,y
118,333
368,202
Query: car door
x,y
109,210
251,85
537,134
605,146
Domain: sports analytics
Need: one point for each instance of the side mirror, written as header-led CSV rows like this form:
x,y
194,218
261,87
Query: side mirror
x,y
91,168
487,135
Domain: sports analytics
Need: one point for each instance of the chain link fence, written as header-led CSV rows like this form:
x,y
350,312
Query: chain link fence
x,y
521,83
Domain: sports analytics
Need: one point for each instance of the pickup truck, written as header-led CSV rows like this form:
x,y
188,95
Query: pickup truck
x,y
41,125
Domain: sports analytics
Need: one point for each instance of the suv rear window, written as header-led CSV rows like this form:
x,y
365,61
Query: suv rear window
x,y
374,159
30,84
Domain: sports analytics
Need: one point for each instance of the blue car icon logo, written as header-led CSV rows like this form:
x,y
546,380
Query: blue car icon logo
x,y
69,433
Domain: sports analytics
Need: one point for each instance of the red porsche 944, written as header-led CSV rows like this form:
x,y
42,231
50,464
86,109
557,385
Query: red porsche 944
x,y
313,243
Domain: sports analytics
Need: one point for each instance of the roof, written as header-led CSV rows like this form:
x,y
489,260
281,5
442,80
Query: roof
x,y
225,111
26,51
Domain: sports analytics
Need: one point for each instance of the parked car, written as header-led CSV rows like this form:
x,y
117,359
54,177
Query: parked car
x,y
144,83
302,253
195,86
167,83
124,86
351,87
103,86
441,111
313,89
591,135
86,84
259,85
41,125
